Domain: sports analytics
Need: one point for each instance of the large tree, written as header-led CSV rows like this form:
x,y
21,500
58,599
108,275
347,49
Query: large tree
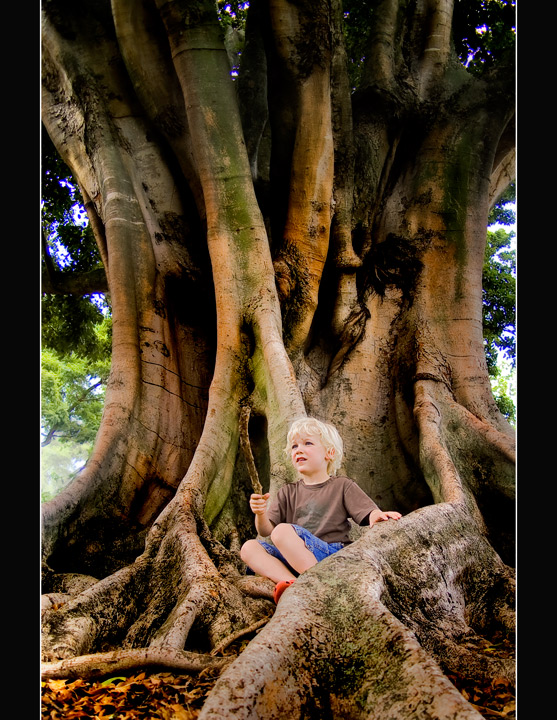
x,y
298,228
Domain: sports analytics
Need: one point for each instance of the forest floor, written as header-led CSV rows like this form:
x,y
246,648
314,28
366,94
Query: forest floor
x,y
168,696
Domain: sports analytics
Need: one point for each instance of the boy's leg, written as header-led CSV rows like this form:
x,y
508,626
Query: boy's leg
x,y
293,548
259,560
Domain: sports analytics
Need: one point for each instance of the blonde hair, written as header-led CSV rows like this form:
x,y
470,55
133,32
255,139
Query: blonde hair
x,y
329,437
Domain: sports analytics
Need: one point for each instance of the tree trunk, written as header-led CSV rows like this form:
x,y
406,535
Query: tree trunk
x,y
314,251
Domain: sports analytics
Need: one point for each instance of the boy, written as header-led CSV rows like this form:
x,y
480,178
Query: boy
x,y
308,520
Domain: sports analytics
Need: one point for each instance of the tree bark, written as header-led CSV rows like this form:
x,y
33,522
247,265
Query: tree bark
x,y
322,258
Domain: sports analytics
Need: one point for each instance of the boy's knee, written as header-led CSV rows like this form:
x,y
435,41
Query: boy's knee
x,y
280,531
246,551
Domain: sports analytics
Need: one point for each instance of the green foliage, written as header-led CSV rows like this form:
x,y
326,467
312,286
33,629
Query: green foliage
x,y
70,241
484,31
76,331
499,292
232,13
72,395
71,324
499,286
68,321
503,384
357,14
60,461
503,212
232,18
499,305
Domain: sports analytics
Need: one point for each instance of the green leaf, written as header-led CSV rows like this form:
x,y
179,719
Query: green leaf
x,y
111,681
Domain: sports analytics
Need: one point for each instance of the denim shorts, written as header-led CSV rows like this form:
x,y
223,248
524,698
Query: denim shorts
x,y
319,548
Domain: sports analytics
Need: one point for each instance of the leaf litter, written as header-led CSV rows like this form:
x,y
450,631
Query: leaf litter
x,y
168,696
160,696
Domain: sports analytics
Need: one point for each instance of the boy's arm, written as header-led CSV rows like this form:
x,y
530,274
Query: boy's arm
x,y
357,503
377,515
258,505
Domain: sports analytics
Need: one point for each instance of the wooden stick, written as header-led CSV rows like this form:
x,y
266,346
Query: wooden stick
x,y
246,447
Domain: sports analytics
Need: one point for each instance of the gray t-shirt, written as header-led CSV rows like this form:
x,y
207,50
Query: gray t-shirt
x,y
322,509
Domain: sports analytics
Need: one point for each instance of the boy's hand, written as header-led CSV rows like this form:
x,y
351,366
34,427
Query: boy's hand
x,y
377,515
258,503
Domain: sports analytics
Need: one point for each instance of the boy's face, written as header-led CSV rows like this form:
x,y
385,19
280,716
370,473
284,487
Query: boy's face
x,y
309,455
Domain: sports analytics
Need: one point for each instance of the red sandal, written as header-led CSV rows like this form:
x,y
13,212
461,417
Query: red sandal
x,y
280,587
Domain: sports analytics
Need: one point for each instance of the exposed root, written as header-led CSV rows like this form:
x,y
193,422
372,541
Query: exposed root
x,y
383,661
461,592
255,586
69,583
174,588
176,628
486,434
435,412
409,585
52,601
208,603
468,658
241,633
73,628
438,467
102,664
482,455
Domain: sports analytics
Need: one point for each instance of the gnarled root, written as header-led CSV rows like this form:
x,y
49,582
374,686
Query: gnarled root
x,y
298,667
102,664
454,444
171,595
256,586
352,633
74,628
445,582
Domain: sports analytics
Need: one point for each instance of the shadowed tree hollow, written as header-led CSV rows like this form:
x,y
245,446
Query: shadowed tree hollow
x,y
292,220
